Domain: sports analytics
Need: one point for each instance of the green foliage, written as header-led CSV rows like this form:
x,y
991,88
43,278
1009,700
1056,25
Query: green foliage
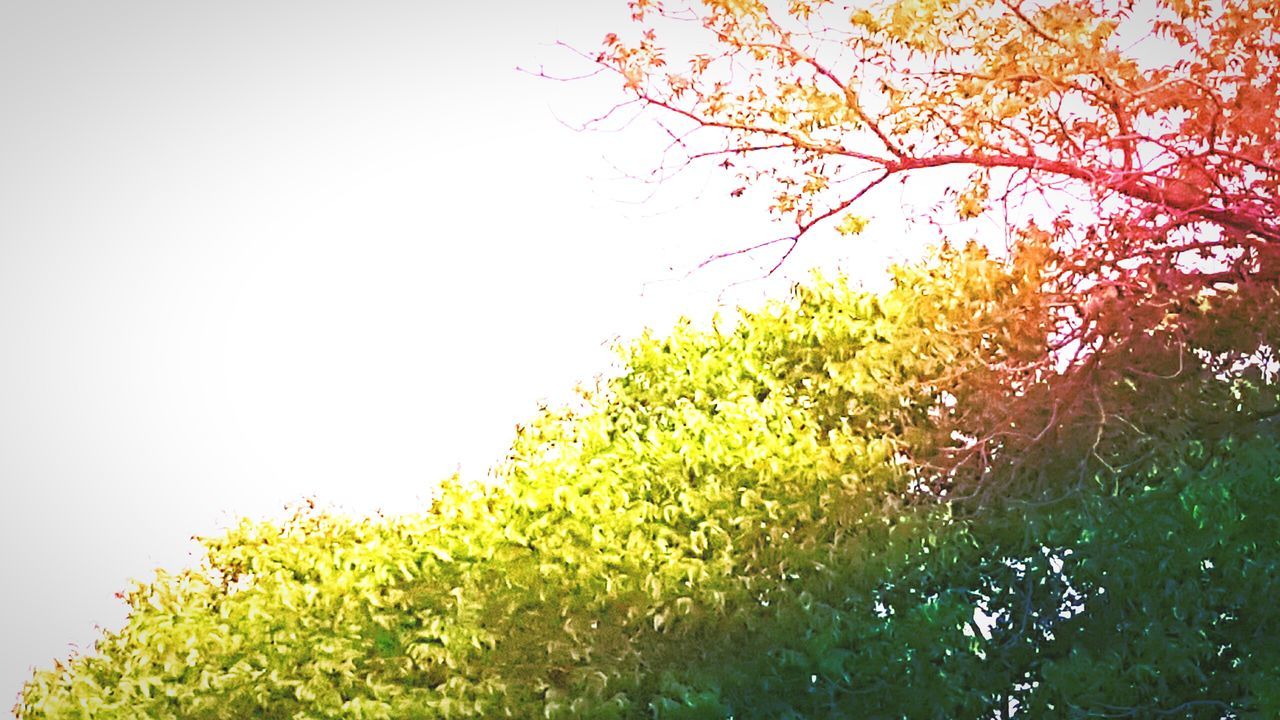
x,y
759,521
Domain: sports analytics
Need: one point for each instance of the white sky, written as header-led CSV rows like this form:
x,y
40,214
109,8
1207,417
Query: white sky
x,y
257,251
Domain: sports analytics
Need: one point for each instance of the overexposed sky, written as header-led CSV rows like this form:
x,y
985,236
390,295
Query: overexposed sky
x,y
254,251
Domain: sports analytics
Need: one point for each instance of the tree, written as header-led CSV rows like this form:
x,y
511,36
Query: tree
x,y
1158,118
736,526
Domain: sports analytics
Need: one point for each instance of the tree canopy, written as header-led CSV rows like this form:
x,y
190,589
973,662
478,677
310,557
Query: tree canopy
x,y
745,523
1043,483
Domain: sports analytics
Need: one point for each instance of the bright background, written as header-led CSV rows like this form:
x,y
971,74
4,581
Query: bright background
x,y
252,252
